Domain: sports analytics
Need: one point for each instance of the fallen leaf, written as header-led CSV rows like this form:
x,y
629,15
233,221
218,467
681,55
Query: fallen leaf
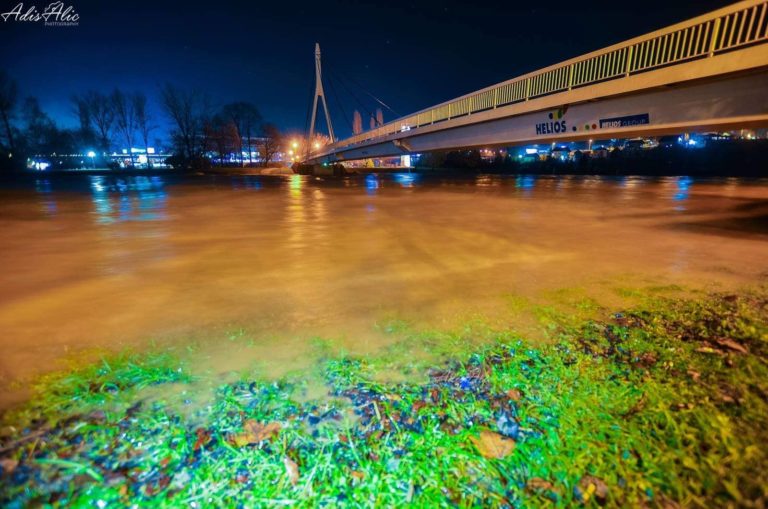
x,y
709,350
514,394
8,465
733,345
255,432
539,484
493,445
292,469
589,486
357,475
695,375
203,437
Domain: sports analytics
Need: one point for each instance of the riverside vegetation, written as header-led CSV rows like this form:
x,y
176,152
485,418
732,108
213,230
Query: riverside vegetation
x,y
661,405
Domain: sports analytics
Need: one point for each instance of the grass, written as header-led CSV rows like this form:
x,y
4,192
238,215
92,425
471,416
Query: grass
x,y
664,405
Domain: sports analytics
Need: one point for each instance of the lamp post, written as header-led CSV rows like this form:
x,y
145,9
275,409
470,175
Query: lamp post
x,y
92,155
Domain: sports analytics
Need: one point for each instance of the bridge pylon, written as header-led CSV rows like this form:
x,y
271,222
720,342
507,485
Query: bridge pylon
x,y
319,94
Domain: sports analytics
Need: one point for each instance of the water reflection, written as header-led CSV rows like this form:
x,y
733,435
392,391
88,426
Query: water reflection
x,y
43,187
248,182
683,189
137,198
526,183
371,184
138,257
407,179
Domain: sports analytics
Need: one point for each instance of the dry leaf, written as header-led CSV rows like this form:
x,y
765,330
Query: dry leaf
x,y
203,437
493,445
255,432
357,475
8,465
291,469
590,485
539,484
733,345
709,350
514,394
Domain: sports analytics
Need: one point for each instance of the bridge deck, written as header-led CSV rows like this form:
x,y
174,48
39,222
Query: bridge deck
x,y
713,46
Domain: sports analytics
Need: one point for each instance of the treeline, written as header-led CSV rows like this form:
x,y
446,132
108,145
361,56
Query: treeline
x,y
201,135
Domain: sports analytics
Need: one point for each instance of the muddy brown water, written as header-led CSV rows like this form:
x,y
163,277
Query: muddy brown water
x,y
101,263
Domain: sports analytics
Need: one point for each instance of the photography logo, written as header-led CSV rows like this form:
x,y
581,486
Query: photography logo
x,y
56,14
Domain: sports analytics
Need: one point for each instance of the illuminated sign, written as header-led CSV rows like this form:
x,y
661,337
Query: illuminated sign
x,y
556,124
627,121
551,127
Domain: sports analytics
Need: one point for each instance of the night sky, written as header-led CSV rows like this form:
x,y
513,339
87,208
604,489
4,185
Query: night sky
x,y
411,54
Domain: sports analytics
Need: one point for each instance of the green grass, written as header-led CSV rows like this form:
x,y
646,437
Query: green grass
x,y
657,406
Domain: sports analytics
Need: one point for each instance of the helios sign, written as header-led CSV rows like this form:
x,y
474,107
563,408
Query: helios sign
x,y
556,124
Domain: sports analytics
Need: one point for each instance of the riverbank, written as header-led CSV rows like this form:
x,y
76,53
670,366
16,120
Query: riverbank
x,y
661,405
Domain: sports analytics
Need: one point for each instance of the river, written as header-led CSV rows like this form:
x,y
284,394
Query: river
x,y
100,263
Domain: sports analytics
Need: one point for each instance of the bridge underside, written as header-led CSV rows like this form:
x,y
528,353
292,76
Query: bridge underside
x,y
717,102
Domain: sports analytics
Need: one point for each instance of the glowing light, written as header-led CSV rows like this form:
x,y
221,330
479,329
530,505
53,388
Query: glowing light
x,y
91,154
317,145
295,144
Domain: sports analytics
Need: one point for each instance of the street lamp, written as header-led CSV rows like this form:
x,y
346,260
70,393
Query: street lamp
x,y
317,145
295,144
92,155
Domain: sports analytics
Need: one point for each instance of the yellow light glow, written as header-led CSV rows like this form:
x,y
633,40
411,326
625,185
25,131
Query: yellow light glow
x,y
295,144
317,145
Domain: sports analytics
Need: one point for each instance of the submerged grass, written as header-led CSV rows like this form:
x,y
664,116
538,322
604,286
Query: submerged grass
x,y
665,405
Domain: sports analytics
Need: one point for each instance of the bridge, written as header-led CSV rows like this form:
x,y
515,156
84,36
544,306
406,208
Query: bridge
x,y
704,74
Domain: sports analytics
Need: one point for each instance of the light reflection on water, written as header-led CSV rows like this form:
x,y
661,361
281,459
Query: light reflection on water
x,y
137,198
116,260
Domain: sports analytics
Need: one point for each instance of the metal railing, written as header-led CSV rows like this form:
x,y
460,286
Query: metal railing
x,y
741,24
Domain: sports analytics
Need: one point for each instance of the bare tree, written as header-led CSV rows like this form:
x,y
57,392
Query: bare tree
x,y
246,118
8,96
41,135
95,109
143,119
125,118
222,135
187,110
271,143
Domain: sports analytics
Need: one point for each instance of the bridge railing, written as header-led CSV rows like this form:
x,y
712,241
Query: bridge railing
x,y
742,24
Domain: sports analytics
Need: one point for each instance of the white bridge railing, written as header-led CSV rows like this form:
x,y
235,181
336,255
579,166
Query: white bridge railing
x,y
742,24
